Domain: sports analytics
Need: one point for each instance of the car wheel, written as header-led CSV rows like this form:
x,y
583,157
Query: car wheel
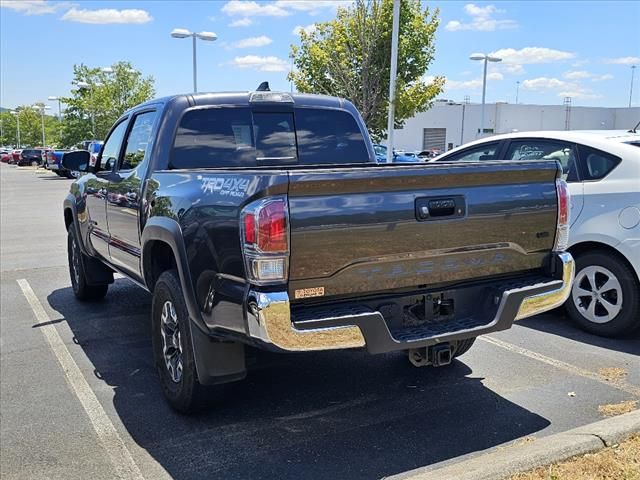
x,y
34,163
605,297
463,346
172,345
81,289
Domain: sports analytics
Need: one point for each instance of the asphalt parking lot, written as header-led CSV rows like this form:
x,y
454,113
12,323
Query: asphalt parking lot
x,y
80,399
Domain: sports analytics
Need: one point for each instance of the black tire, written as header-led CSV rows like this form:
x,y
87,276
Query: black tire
x,y
81,289
183,392
463,346
627,319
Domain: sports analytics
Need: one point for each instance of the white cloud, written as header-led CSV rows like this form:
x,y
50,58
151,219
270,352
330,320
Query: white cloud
x,y
261,64
34,7
530,55
601,78
481,20
576,75
545,83
242,22
474,84
312,7
582,74
564,89
580,63
623,61
260,41
107,15
309,29
252,9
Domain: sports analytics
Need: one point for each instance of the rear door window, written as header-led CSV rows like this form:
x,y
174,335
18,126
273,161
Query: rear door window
x,y
544,149
596,164
239,137
486,151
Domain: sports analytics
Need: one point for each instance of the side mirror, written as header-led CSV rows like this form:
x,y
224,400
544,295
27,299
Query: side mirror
x,y
77,160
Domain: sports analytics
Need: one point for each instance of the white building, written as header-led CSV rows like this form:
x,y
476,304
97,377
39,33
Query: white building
x,y
447,124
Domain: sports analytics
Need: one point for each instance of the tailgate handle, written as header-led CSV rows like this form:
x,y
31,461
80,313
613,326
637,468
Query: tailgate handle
x,y
440,208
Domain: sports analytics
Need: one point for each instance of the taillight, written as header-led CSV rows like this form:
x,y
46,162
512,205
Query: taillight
x,y
265,240
562,228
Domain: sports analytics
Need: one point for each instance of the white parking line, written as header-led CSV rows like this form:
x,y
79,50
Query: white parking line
x,y
618,384
123,462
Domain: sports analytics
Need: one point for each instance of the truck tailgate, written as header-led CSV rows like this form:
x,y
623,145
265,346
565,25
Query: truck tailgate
x,y
370,230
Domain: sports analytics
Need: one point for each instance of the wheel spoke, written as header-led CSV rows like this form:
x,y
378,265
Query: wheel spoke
x,y
591,310
581,292
610,284
611,309
591,276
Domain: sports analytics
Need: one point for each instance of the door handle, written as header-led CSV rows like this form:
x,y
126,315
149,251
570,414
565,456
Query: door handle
x,y
440,208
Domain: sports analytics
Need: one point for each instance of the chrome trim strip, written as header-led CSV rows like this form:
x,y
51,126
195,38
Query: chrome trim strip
x,y
269,317
548,301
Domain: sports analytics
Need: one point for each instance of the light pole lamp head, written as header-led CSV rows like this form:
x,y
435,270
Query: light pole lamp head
x,y
493,59
106,70
477,56
208,36
52,98
181,33
83,85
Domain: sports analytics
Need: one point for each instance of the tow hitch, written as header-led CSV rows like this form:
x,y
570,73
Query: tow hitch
x,y
437,355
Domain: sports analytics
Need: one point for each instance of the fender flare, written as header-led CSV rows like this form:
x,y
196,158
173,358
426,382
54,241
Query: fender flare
x,y
216,362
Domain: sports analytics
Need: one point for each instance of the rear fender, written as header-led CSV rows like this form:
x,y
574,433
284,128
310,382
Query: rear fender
x,y
216,362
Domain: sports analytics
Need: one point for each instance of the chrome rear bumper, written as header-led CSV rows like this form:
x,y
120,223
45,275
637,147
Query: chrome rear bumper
x,y
269,319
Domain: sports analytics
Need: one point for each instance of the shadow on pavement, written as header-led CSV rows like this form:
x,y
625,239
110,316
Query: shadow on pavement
x,y
318,415
557,323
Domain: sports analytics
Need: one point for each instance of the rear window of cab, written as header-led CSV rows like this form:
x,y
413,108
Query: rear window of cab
x,y
243,137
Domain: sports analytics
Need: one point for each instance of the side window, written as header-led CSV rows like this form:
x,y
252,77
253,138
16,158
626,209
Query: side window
x,y
214,137
478,153
330,136
138,140
111,148
542,149
596,164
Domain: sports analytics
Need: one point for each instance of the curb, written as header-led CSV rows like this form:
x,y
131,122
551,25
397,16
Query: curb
x,y
513,459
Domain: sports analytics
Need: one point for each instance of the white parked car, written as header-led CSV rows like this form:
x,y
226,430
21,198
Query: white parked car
x,y
602,169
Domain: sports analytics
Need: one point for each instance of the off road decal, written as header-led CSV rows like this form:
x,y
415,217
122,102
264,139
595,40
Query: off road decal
x,y
225,187
309,292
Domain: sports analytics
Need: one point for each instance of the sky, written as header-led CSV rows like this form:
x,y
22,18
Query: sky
x,y
583,50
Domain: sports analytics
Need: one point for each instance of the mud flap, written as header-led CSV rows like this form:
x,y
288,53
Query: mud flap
x,y
217,361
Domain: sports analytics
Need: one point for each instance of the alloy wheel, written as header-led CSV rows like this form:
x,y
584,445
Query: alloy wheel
x,y
171,341
597,294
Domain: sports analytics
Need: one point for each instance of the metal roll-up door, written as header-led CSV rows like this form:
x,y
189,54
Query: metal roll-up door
x,y
434,139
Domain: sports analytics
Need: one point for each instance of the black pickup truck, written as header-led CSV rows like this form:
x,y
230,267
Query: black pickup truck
x,y
262,219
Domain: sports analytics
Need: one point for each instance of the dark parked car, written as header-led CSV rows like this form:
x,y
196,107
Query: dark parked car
x,y
31,157
262,219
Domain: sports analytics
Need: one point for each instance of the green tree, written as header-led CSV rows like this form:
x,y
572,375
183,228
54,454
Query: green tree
x,y
107,96
350,57
30,127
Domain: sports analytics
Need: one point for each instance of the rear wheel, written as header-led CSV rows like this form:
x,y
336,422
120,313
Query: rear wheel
x,y
463,346
34,163
172,345
605,297
81,289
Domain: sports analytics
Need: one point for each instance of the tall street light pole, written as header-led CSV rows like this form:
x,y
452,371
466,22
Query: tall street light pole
x,y
16,112
88,86
486,59
517,90
184,33
53,99
633,73
42,108
392,79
